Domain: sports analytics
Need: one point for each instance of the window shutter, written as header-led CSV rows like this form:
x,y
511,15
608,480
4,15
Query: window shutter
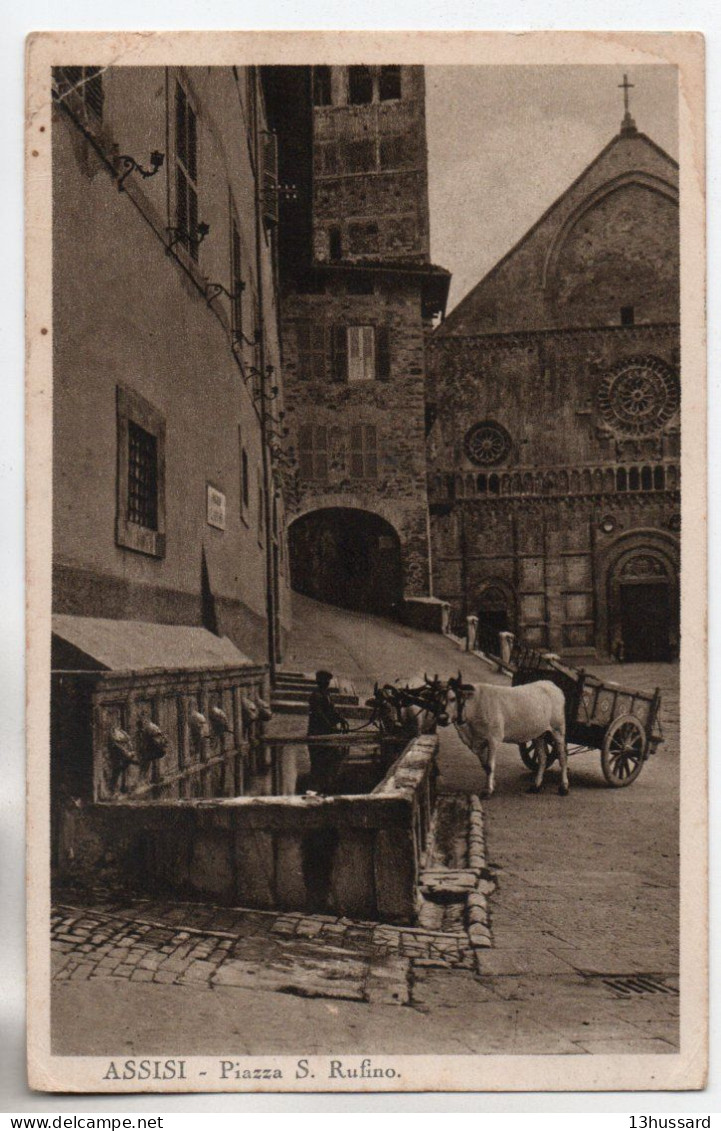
x,y
370,451
356,451
317,345
303,338
383,353
305,451
321,453
340,353
192,143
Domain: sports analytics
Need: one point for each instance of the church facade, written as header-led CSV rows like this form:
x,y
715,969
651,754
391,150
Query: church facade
x,y
554,394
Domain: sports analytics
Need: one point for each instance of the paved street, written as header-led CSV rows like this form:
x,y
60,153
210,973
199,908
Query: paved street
x,y
586,897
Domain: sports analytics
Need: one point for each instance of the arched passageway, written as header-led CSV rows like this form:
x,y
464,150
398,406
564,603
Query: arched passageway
x,y
347,557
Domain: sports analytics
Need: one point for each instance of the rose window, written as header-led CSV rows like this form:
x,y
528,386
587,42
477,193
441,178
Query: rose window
x,y
639,396
487,443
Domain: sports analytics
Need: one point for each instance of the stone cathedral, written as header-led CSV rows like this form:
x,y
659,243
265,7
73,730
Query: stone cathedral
x,y
553,398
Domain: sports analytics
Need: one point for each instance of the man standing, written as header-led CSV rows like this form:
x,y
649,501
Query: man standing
x,y
323,718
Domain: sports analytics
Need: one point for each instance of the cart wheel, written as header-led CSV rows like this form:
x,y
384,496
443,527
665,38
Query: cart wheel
x,y
529,757
624,747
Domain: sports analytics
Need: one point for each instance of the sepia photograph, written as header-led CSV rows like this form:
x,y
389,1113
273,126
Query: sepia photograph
x,y
358,523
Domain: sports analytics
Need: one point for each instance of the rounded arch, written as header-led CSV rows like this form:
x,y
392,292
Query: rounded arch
x,y
495,607
633,177
639,579
348,557
615,258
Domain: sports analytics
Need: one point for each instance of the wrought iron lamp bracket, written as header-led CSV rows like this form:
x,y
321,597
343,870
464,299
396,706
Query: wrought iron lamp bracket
x,y
157,159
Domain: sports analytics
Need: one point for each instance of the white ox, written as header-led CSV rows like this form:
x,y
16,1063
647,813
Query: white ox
x,y
485,715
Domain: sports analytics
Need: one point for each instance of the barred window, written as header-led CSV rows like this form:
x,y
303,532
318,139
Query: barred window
x,y
313,452
140,521
363,451
142,477
186,171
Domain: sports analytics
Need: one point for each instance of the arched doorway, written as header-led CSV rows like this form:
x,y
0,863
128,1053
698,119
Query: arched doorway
x,y
346,557
643,607
496,612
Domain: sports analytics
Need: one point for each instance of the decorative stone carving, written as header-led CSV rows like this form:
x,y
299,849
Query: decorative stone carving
x,y
487,443
643,565
638,396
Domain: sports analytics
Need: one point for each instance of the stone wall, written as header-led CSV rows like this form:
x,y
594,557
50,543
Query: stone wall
x,y
360,855
132,319
395,407
370,174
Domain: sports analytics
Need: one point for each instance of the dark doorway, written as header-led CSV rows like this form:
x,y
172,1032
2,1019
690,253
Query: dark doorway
x,y
645,622
493,617
346,557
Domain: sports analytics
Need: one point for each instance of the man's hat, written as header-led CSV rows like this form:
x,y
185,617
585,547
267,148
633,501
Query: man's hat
x,y
323,676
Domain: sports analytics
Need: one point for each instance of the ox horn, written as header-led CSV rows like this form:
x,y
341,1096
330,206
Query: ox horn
x,y
425,677
460,677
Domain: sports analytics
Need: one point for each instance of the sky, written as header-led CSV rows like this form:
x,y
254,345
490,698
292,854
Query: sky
x,y
504,142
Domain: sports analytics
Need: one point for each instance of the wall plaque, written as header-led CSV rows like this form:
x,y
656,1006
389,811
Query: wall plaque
x,y
215,508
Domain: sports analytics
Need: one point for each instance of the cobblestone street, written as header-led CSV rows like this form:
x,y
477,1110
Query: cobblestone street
x,y
586,898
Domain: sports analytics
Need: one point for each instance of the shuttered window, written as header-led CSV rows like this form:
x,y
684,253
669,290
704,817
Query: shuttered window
x,y
186,171
345,353
313,451
363,451
311,337
383,353
361,353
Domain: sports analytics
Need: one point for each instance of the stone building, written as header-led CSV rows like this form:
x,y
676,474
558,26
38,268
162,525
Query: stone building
x,y
553,459
166,507
358,298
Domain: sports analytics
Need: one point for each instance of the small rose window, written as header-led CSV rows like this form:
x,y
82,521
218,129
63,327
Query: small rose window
x,y
487,444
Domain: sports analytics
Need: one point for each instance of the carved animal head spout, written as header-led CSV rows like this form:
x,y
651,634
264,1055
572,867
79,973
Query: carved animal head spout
x,y
121,755
264,709
154,741
219,721
199,728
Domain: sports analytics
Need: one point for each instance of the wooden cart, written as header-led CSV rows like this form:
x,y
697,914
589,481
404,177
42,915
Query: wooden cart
x,y
623,724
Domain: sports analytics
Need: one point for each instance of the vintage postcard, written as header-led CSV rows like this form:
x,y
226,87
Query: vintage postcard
x,y
366,558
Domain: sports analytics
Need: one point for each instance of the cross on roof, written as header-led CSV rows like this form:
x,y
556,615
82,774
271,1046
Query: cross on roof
x,y
628,126
625,86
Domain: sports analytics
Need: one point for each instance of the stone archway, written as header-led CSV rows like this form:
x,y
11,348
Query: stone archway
x,y
643,605
495,608
346,557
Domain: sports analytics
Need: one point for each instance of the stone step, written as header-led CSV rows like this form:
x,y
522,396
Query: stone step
x,y
301,696
295,707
